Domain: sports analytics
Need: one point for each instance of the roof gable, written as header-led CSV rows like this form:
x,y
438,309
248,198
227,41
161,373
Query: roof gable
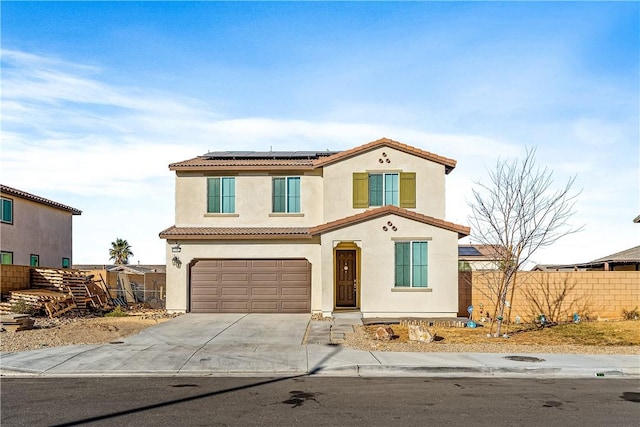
x,y
387,210
449,164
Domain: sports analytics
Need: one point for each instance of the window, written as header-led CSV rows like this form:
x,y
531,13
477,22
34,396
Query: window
x,y
66,263
383,189
286,194
35,260
411,261
221,195
380,189
7,211
6,257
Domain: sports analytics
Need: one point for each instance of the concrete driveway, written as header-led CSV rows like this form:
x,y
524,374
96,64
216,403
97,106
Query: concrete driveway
x,y
246,331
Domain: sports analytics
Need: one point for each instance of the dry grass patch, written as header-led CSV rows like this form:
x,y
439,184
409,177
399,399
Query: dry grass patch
x,y
587,337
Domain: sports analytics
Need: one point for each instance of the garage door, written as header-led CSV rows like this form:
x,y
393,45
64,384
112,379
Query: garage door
x,y
251,286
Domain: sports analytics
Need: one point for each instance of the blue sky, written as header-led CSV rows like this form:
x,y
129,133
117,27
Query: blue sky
x,y
98,98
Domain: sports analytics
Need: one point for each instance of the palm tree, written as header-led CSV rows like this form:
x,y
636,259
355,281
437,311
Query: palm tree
x,y
120,251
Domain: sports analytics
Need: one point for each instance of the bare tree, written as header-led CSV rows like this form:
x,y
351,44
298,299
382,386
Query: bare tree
x,y
518,212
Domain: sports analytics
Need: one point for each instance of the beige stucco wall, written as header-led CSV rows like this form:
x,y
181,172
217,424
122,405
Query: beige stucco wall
x,y
253,201
177,278
378,296
37,229
338,182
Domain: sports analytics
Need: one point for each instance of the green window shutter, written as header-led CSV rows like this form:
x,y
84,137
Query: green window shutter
x,y
360,190
213,195
391,189
403,264
279,204
408,190
7,210
375,190
420,265
228,195
293,194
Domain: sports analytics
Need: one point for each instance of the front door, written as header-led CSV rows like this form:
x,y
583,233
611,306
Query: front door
x,y
346,284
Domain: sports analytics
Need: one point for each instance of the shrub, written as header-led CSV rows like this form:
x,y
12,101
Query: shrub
x,y
116,312
21,307
631,314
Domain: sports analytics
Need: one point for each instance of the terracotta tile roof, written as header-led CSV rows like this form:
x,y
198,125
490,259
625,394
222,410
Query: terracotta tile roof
x,y
204,163
28,196
386,210
249,160
449,164
234,233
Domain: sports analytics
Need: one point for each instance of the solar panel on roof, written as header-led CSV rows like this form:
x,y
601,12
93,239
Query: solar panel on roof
x,y
267,154
468,251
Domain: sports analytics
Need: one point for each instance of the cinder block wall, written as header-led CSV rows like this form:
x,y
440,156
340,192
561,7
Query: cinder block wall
x,y
597,294
14,277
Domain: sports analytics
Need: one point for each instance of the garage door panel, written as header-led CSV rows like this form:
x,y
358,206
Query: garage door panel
x,y
231,306
301,293
267,278
243,285
234,291
269,306
293,306
270,292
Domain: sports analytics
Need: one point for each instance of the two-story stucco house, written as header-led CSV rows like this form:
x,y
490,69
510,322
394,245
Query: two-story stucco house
x,y
35,231
360,229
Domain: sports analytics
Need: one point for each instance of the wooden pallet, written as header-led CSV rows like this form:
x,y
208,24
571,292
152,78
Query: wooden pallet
x,y
16,322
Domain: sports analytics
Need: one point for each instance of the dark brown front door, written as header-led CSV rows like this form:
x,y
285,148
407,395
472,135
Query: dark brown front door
x,y
346,278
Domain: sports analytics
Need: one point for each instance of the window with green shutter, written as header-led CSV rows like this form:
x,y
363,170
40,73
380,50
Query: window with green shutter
x,y
380,189
7,211
66,263
411,264
34,260
286,194
221,195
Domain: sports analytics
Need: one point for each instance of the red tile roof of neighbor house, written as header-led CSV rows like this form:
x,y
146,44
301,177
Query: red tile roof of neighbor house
x,y
251,160
4,189
387,210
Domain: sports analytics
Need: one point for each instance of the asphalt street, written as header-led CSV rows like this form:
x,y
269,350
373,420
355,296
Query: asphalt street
x,y
319,401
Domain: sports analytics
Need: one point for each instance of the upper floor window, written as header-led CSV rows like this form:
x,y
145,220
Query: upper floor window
x,y
412,265
383,189
6,257
286,194
221,195
380,189
7,211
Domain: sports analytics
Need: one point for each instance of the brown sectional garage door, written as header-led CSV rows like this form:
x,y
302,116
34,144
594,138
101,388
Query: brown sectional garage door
x,y
251,286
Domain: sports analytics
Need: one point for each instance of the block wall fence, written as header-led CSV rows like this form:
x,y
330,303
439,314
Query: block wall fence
x,y
592,294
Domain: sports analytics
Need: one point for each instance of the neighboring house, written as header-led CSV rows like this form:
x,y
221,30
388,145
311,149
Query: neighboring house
x,y
478,257
35,231
627,260
360,230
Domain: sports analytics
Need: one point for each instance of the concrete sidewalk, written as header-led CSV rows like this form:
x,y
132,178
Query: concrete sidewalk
x,y
240,344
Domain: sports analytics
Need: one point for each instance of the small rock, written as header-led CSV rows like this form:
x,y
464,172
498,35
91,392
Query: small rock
x,y
420,333
384,333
